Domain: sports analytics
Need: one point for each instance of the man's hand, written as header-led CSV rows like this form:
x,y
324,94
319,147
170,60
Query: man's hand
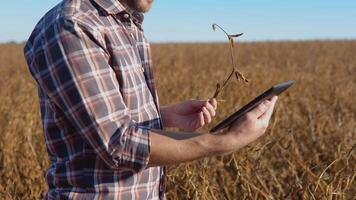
x,y
189,115
250,127
167,148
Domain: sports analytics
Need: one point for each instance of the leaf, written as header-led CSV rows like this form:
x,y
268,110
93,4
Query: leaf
x,y
237,76
214,27
236,35
246,80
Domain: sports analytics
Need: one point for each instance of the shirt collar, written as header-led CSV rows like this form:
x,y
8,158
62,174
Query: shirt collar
x,y
114,7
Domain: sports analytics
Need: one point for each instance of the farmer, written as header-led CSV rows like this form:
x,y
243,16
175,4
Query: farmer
x,y
102,120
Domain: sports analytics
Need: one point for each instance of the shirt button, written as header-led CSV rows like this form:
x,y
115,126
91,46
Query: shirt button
x,y
126,16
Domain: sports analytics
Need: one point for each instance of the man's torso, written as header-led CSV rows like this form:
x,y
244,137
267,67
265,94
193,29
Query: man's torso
x,y
76,171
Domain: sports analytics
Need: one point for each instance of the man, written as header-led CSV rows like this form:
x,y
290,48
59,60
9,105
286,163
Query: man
x,y
100,112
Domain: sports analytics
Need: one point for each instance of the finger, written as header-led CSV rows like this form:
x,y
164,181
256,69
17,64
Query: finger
x,y
207,117
213,102
260,109
210,109
201,119
197,104
268,114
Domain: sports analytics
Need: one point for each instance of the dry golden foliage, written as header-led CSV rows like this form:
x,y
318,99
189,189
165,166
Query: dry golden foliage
x,y
309,151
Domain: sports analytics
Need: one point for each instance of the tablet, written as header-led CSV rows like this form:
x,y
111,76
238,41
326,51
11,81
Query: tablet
x,y
273,91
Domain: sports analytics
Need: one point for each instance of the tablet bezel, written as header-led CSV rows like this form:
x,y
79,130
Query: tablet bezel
x,y
274,90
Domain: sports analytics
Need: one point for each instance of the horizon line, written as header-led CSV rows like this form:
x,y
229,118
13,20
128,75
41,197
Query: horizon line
x,y
221,41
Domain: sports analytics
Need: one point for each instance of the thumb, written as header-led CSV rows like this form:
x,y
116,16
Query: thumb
x,y
267,115
260,109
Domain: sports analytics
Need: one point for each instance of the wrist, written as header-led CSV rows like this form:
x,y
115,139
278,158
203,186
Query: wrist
x,y
167,116
214,144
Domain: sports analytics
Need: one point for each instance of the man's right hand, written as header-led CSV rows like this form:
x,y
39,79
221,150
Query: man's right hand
x,y
249,127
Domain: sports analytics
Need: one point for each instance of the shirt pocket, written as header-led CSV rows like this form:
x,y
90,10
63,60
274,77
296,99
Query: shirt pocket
x,y
125,55
126,64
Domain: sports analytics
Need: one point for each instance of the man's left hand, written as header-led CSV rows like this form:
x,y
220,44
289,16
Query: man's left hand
x,y
189,115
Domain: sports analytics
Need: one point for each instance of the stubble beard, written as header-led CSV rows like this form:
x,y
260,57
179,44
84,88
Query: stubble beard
x,y
138,5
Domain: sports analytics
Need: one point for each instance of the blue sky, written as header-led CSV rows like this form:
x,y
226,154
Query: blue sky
x,y
190,20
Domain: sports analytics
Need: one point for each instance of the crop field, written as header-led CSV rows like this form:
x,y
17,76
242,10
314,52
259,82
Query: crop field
x,y
308,152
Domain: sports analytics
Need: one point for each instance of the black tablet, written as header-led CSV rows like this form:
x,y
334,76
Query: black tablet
x,y
275,90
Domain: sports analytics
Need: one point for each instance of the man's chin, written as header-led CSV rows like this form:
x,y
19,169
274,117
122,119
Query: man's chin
x,y
145,11
145,8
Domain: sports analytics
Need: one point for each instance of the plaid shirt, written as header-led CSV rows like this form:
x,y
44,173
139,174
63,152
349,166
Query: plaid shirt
x,y
98,100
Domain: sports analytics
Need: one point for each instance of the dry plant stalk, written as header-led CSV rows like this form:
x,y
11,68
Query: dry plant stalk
x,y
238,74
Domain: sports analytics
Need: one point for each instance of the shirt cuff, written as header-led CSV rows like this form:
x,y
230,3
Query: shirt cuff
x,y
134,148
